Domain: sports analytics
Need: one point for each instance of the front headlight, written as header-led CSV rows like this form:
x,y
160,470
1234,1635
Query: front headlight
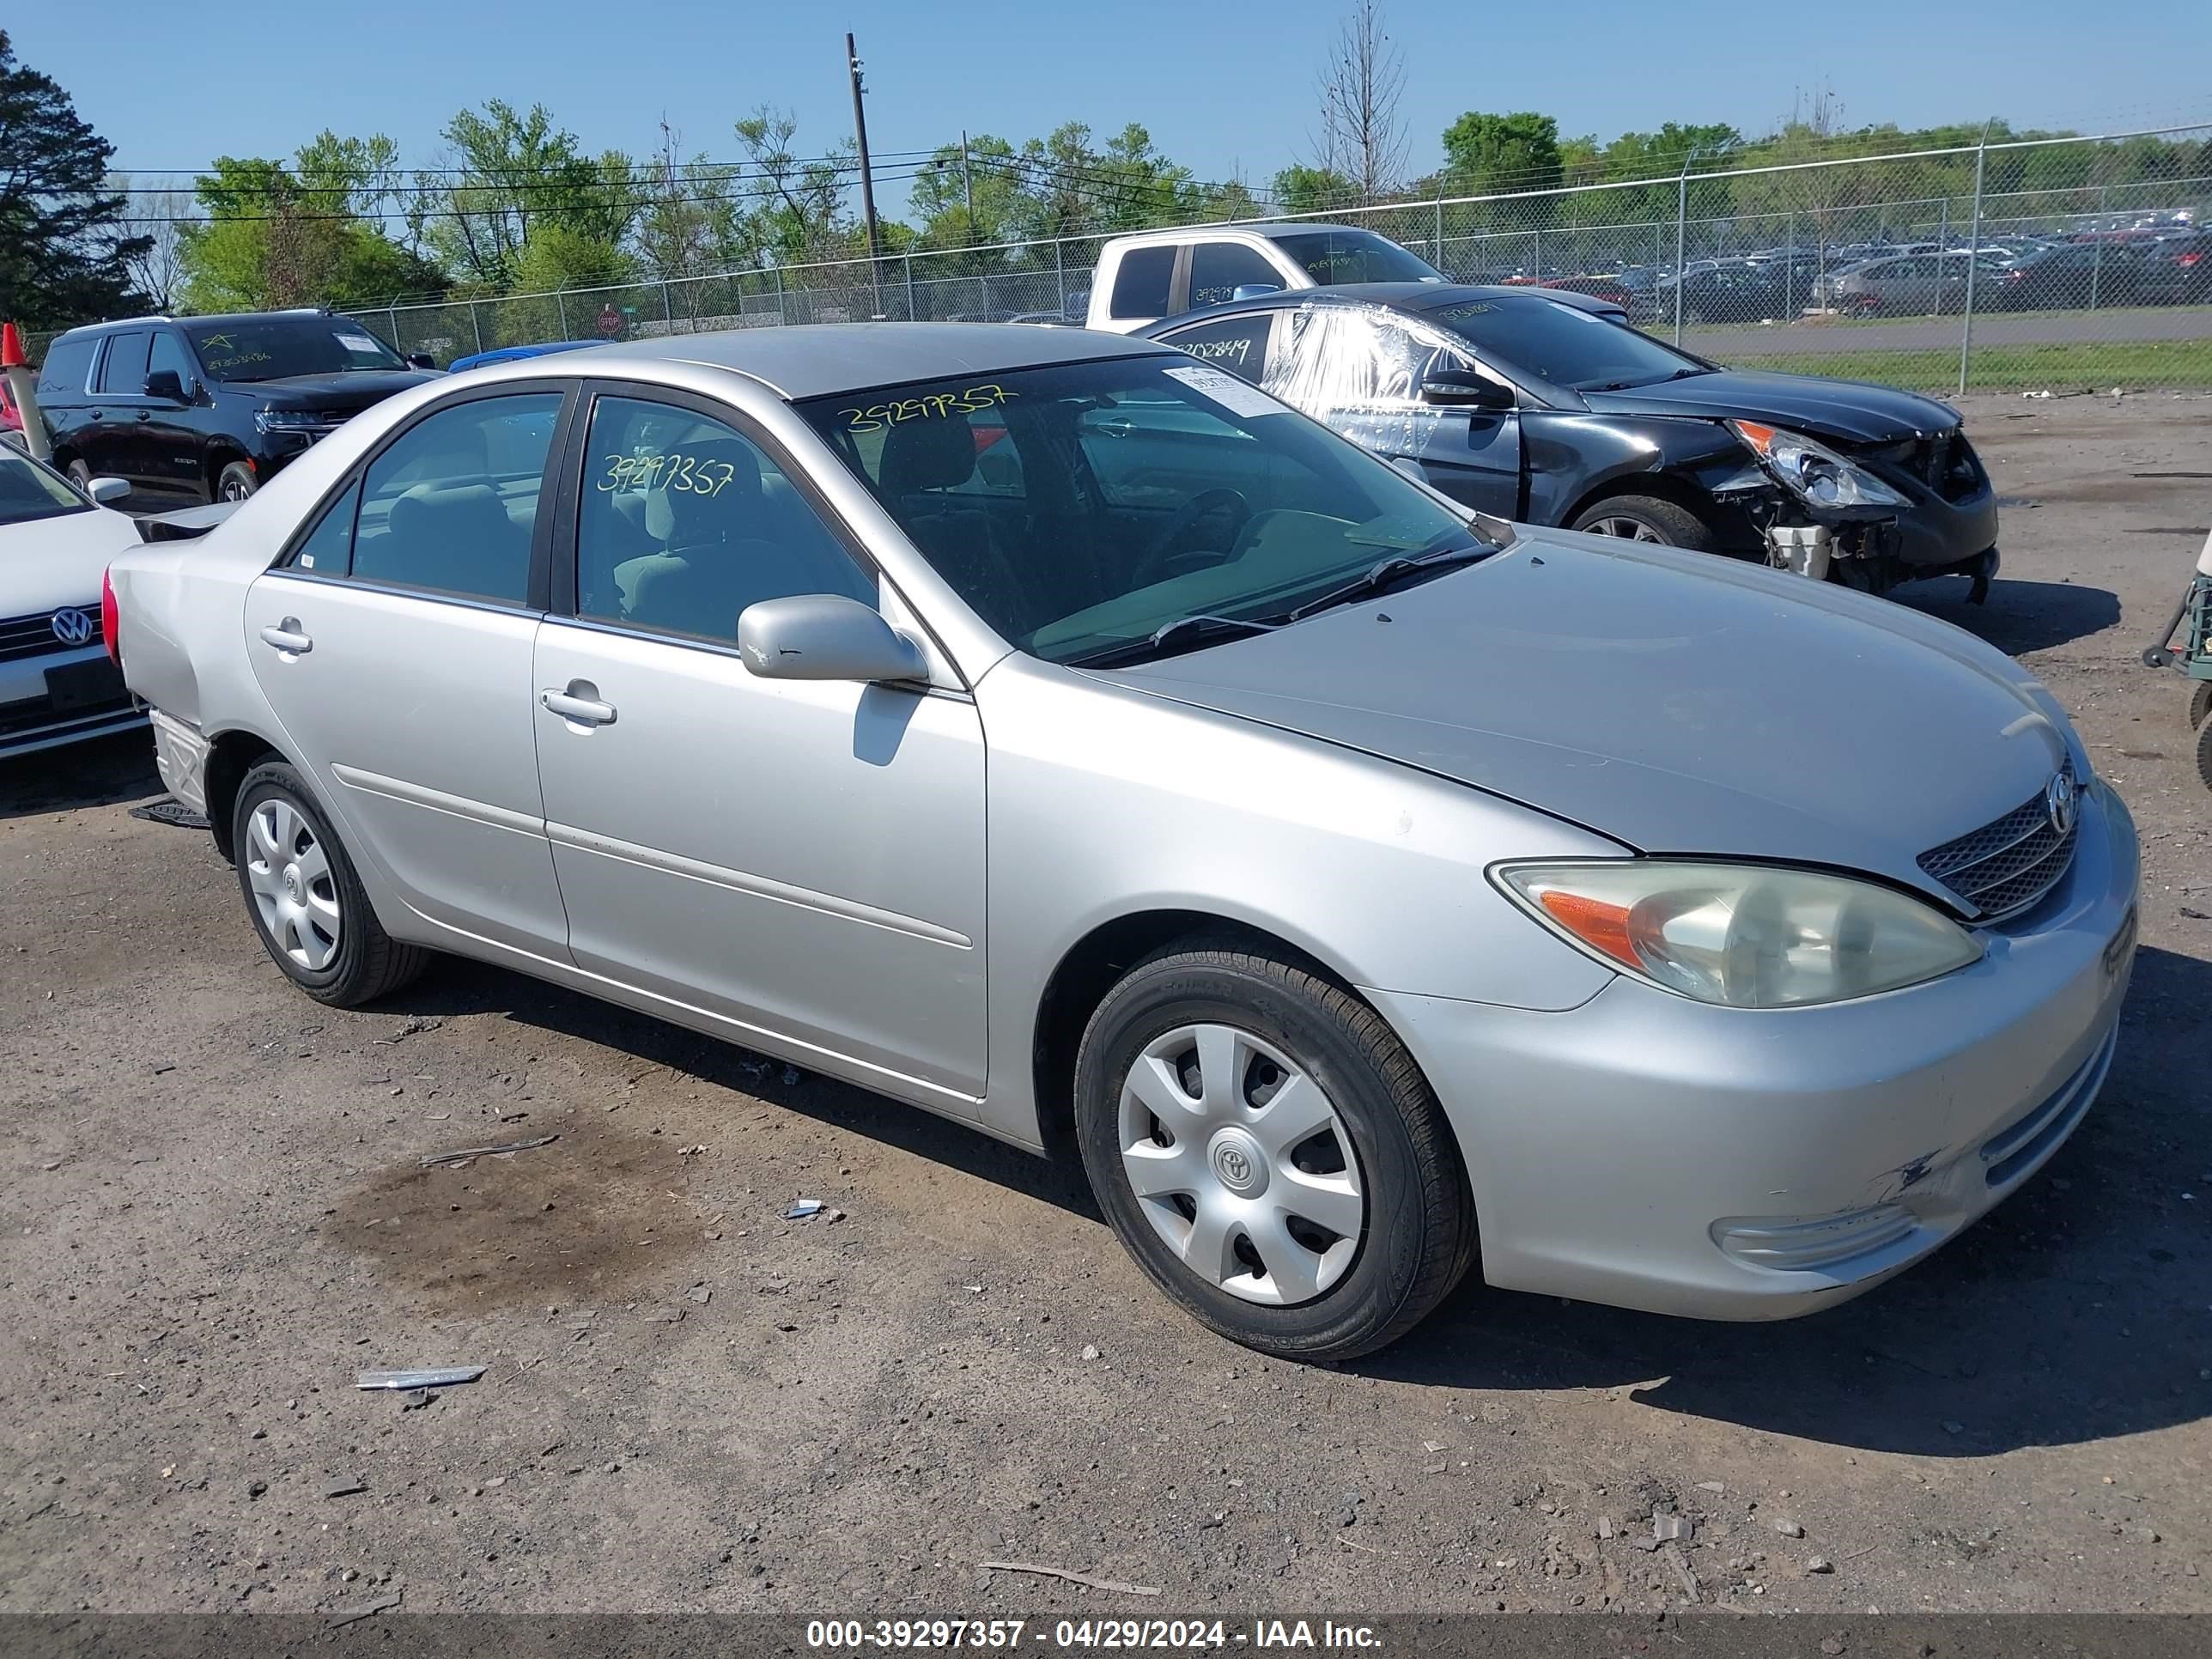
x,y
289,419
1812,472
1742,935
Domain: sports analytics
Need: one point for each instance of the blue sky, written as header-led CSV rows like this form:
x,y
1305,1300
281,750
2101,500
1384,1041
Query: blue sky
x,y
1225,89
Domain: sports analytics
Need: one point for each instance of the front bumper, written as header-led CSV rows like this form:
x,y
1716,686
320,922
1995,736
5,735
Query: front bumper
x,y
63,696
1612,1148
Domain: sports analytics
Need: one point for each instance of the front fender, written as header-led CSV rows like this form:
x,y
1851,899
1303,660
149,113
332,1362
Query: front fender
x,y
1575,457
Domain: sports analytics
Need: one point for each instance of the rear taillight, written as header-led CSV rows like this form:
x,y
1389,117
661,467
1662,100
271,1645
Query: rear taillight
x,y
2187,259
110,625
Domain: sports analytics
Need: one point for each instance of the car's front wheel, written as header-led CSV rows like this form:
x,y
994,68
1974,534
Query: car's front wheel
x,y
1270,1154
235,483
1648,518
306,902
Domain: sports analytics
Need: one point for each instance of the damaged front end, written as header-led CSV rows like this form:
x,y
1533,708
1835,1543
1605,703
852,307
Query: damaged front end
x,y
1869,516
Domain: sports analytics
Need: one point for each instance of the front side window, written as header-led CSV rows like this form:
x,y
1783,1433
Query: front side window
x,y
1239,344
1140,286
123,371
30,491
1355,256
169,353
1153,488
686,522
1218,270
1564,345
452,504
278,347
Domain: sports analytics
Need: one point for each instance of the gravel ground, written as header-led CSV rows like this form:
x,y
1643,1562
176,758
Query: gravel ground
x,y
212,1215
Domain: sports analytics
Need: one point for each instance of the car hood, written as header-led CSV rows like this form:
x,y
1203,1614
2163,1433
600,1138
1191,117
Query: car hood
x,y
1804,403
51,562
351,391
1675,702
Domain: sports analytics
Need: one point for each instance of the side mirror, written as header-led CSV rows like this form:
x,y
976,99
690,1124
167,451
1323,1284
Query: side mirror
x,y
825,636
166,383
1463,390
420,360
107,491
1254,290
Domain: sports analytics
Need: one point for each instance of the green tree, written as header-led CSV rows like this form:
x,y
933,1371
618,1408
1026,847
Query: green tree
x,y
1486,155
513,172
65,252
797,204
1299,188
987,175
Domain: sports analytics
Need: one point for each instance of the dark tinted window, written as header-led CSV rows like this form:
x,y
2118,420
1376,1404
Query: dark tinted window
x,y
123,371
169,353
328,549
1110,540
686,522
1239,344
68,365
1355,256
1564,344
29,492
1218,270
272,347
452,504
1140,286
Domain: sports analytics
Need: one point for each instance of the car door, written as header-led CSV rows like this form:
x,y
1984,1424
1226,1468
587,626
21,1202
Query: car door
x,y
801,858
1218,270
1360,369
111,442
169,428
393,641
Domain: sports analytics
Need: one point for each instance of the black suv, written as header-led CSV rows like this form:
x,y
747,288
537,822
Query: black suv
x,y
205,408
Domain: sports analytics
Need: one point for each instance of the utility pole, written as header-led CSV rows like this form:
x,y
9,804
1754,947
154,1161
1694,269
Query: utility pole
x,y
967,187
867,183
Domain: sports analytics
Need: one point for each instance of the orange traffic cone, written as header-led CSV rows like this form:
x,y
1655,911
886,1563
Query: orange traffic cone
x,y
11,347
22,388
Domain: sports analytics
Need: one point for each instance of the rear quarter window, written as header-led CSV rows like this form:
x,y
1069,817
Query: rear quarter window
x,y
1140,286
68,365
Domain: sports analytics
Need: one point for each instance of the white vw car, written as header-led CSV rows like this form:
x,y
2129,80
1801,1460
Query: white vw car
x,y
58,684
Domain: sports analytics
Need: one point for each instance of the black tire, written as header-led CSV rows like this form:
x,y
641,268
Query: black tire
x,y
1672,525
2204,753
1417,1238
368,962
235,483
80,475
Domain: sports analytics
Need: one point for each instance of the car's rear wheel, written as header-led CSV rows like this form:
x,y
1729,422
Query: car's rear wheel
x,y
235,483
1270,1154
1648,518
306,902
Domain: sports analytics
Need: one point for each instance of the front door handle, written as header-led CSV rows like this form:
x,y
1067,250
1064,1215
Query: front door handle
x,y
288,638
574,705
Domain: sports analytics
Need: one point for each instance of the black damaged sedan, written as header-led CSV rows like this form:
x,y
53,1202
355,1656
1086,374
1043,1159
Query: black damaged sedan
x,y
1547,408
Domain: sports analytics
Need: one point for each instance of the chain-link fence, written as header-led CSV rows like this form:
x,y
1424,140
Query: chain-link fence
x,y
2021,263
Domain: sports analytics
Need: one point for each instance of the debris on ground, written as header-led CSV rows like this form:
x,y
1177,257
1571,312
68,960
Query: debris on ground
x,y
1665,1527
1820,1564
361,1610
170,811
415,1399
1089,1351
804,1209
1789,1528
454,1160
345,1488
430,1376
1071,1576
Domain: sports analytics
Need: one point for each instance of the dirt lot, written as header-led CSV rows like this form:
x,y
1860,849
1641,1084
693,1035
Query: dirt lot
x,y
211,1216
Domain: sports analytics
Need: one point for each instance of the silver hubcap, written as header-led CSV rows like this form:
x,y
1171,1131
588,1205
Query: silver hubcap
x,y
293,888
1241,1164
1630,530
235,489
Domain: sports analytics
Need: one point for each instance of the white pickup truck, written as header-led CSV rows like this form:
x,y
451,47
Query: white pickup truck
x,y
1162,273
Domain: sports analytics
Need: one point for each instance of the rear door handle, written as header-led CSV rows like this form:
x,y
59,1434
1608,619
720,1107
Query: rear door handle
x,y
288,637
571,706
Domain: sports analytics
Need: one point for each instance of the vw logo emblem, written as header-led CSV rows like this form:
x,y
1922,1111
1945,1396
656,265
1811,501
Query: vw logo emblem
x,y
73,626
2058,804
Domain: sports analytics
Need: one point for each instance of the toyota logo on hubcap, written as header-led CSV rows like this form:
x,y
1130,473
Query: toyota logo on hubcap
x,y
1238,1163
74,626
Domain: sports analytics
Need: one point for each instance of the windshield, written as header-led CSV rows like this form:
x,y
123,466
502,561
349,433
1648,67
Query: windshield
x,y
1076,508
1355,256
29,492
274,348
1564,344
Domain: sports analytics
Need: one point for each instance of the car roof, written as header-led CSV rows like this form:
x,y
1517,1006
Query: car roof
x,y
213,317
817,360
1271,229
1404,296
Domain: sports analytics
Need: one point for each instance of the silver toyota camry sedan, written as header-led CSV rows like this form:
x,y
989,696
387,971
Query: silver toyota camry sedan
x,y
1051,731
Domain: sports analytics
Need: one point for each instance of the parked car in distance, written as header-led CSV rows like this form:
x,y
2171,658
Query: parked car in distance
x,y
2065,276
1913,285
514,354
1735,291
1359,890
58,684
2175,270
1160,273
1546,408
202,409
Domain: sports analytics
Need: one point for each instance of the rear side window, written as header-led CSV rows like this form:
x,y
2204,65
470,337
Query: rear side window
x,y
452,505
328,550
1140,286
1239,344
1218,270
68,365
123,372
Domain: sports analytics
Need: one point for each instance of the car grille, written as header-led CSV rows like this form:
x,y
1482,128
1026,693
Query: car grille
x,y
2002,868
34,636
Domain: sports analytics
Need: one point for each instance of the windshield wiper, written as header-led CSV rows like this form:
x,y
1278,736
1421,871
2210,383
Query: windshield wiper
x,y
1184,633
1383,573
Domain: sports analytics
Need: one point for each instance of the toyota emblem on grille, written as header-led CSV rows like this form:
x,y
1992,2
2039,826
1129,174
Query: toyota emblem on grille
x,y
2058,804
73,626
